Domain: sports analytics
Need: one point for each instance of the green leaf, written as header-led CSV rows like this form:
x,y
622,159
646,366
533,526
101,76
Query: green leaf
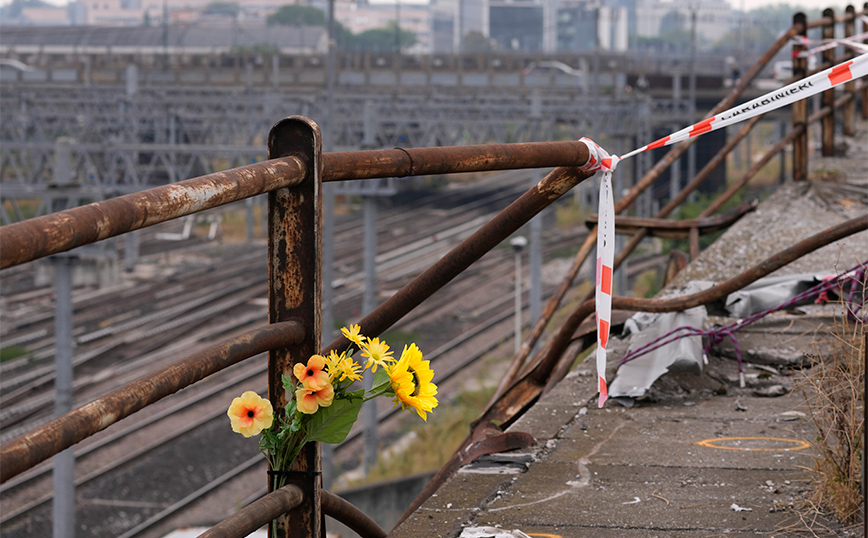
x,y
288,384
382,383
356,394
332,424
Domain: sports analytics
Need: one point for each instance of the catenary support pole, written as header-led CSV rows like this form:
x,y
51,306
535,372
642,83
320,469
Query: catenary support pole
x,y
536,260
64,463
369,303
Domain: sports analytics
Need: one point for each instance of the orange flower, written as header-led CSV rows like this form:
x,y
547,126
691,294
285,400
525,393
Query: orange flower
x,y
250,414
308,401
312,375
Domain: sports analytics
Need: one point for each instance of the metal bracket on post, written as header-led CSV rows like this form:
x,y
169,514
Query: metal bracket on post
x,y
295,292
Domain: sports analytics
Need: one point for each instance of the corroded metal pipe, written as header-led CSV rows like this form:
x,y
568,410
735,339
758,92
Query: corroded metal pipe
x,y
847,16
348,514
58,232
677,229
677,304
401,162
552,187
256,514
261,511
26,451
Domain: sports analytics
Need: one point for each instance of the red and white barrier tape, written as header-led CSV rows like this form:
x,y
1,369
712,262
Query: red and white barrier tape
x,y
599,159
826,44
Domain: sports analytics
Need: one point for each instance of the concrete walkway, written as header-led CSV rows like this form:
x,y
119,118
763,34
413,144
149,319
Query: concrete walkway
x,y
698,467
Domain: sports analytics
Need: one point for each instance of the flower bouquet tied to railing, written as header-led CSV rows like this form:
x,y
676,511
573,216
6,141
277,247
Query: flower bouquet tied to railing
x,y
321,405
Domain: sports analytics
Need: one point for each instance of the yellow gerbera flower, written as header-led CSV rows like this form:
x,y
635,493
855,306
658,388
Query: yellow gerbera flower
x,y
377,353
250,414
308,401
411,381
352,334
341,367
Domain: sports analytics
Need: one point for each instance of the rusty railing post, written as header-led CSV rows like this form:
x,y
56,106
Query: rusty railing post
x,y
849,87
828,96
799,109
295,289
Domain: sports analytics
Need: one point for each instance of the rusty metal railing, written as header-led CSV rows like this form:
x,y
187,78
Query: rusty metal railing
x,y
292,177
32,239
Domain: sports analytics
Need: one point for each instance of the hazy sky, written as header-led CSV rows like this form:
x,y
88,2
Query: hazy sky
x,y
837,5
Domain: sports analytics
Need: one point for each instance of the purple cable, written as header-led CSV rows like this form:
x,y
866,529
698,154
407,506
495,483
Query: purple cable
x,y
716,335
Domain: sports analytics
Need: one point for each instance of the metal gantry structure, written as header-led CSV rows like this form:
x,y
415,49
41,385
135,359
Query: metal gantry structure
x,y
84,144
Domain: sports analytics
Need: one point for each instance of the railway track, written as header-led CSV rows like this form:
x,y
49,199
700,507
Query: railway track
x,y
121,474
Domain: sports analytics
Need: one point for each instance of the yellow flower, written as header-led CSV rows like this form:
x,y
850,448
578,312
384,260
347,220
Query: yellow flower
x,y
352,334
250,414
377,353
343,367
308,401
312,375
411,381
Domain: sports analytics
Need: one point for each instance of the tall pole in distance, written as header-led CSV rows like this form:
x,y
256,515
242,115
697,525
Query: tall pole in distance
x,y
369,303
536,261
518,243
328,226
691,151
397,27
369,294
63,500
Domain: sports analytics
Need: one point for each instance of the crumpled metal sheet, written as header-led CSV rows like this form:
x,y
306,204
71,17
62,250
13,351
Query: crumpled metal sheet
x,y
634,378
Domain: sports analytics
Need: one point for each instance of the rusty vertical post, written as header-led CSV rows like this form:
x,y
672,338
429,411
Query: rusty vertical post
x,y
799,109
828,96
849,87
295,289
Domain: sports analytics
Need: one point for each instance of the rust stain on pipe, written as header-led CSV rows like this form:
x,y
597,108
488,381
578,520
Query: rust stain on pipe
x,y
61,433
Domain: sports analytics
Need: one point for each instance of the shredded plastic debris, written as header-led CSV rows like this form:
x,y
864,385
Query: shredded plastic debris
x,y
491,532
